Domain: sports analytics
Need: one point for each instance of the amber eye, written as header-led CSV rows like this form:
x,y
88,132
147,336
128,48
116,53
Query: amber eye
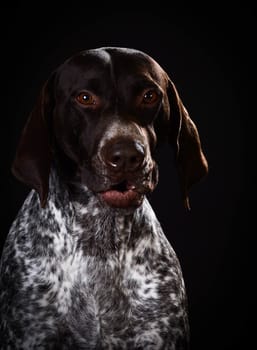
x,y
86,99
150,97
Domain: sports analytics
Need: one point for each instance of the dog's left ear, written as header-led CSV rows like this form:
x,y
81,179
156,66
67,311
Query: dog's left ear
x,y
184,137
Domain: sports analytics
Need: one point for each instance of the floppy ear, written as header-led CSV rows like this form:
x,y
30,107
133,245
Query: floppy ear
x,y
33,157
191,162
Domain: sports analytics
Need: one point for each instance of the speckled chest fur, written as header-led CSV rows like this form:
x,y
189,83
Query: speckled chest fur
x,y
93,278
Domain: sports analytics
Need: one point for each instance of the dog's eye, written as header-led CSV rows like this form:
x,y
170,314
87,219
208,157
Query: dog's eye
x,y
150,97
86,99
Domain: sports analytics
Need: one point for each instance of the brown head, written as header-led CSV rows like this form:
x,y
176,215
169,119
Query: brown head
x,y
99,118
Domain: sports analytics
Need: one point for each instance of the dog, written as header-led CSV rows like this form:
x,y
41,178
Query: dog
x,y
86,264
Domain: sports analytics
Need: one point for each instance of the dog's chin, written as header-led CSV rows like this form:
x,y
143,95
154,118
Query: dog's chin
x,y
127,199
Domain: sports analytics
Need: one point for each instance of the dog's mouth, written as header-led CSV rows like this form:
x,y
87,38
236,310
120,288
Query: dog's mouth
x,y
122,195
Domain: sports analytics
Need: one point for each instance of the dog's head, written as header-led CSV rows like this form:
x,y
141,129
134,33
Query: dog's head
x,y
99,118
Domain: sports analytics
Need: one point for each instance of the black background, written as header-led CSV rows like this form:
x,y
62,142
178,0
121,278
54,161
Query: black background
x,y
207,53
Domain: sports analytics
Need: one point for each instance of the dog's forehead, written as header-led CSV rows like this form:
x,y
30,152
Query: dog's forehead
x,y
118,61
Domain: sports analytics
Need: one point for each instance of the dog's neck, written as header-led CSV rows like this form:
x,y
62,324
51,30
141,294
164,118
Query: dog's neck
x,y
99,229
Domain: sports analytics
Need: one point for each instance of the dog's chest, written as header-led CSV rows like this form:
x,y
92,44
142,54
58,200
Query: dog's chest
x,y
104,279
116,293
96,279
94,256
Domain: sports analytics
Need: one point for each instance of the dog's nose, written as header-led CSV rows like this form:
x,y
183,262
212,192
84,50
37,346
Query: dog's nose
x,y
124,155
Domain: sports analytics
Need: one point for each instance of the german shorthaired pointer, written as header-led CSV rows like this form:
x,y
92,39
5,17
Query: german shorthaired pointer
x,y
86,264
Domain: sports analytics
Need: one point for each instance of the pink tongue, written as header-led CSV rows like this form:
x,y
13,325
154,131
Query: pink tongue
x,y
122,199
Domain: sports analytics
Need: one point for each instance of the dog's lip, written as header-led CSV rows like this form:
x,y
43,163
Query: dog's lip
x,y
122,195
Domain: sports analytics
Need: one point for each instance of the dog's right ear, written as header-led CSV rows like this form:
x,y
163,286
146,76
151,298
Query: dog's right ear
x,y
33,157
184,137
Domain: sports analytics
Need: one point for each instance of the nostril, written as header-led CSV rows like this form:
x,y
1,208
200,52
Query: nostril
x,y
135,161
115,160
